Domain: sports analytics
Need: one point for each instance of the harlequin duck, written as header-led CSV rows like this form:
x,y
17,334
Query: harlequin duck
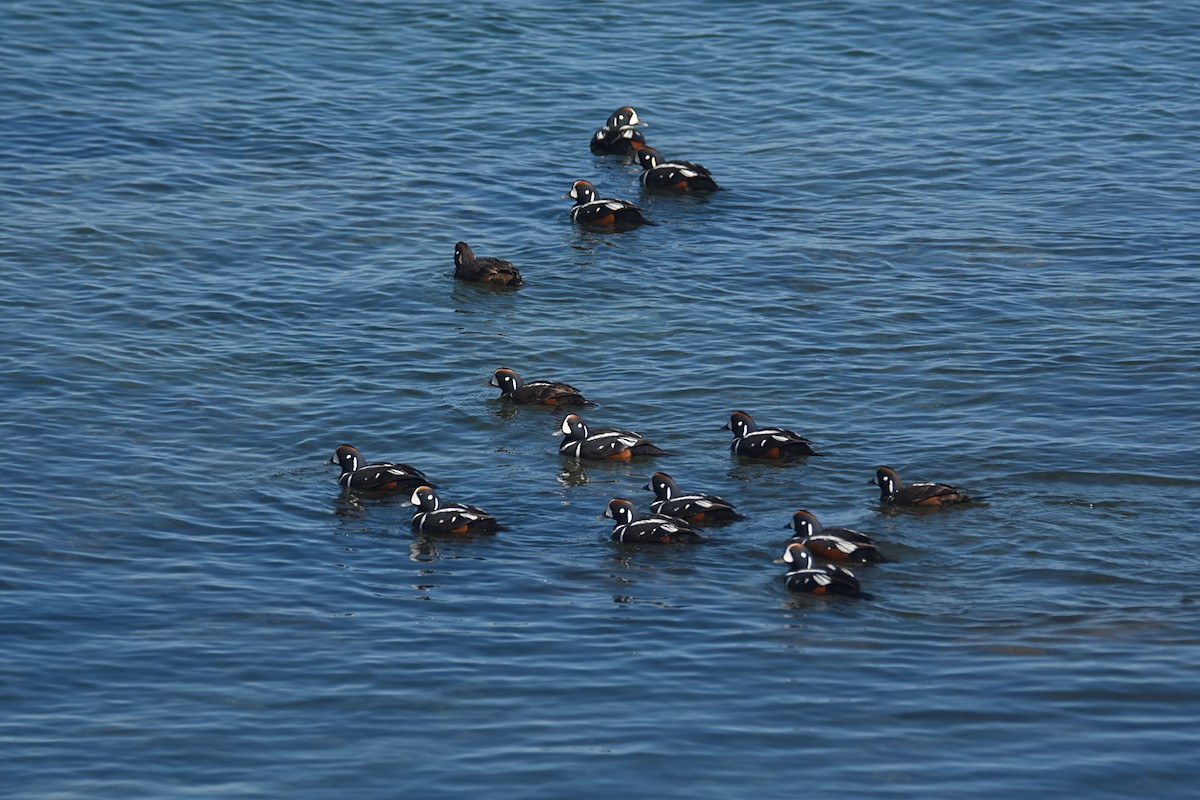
x,y
592,211
696,509
435,516
601,443
381,476
551,393
610,141
630,528
469,267
805,576
618,136
896,492
751,441
677,176
834,544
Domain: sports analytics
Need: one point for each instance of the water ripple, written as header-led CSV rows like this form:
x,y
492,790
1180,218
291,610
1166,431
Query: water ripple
x,y
954,239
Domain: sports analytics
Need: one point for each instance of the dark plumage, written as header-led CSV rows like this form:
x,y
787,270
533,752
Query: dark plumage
x,y
833,544
618,136
604,214
751,441
697,509
676,176
617,141
381,476
469,267
631,528
551,393
434,516
580,442
805,576
896,492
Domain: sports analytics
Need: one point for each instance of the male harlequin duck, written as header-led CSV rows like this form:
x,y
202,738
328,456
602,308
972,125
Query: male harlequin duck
x,y
630,528
617,141
834,544
896,492
751,441
805,576
434,516
618,136
697,509
381,476
676,176
468,267
602,443
551,393
592,211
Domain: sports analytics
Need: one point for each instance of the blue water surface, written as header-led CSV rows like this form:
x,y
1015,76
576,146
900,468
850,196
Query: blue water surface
x,y
956,238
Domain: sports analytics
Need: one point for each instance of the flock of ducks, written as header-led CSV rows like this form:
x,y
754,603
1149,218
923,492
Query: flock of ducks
x,y
815,554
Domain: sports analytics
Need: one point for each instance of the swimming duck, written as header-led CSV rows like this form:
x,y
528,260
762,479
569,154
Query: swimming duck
x,y
751,441
804,575
606,214
380,476
630,528
551,393
580,442
834,544
435,516
473,269
618,136
896,492
696,509
679,176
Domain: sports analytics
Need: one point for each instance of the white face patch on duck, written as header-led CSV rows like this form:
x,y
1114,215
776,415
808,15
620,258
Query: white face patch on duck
x,y
422,497
740,425
619,511
798,556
